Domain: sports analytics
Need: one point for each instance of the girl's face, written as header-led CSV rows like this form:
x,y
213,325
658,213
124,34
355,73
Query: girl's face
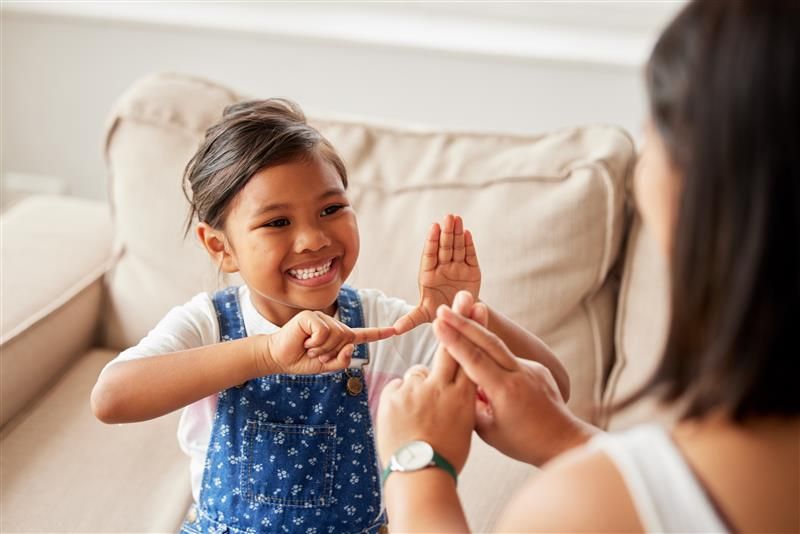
x,y
293,237
656,188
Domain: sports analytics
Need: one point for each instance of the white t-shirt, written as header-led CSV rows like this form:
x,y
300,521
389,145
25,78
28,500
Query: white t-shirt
x,y
195,325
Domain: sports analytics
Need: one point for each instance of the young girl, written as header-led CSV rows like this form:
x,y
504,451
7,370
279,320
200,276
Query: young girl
x,y
275,376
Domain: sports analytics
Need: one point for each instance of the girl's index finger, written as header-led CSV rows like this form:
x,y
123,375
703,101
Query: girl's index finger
x,y
367,335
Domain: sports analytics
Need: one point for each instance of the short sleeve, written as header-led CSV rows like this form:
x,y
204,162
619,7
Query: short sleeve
x,y
191,325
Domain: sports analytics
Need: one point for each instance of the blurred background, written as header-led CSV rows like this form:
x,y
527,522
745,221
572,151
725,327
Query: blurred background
x,y
503,66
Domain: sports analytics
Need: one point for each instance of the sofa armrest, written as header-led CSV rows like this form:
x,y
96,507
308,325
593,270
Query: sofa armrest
x,y
54,253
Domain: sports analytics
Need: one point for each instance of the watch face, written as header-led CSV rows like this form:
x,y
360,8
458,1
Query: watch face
x,y
414,455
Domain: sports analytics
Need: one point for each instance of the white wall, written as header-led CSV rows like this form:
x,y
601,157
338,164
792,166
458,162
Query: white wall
x,y
508,67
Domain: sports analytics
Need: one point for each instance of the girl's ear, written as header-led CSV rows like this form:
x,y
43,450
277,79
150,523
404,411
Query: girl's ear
x,y
217,246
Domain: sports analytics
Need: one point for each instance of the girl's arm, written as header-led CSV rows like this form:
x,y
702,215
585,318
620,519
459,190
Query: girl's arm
x,y
525,345
145,388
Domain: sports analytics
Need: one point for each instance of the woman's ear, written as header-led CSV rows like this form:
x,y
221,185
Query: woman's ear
x,y
217,246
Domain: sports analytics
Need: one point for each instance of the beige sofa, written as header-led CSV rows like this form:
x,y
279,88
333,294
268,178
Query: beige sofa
x,y
559,245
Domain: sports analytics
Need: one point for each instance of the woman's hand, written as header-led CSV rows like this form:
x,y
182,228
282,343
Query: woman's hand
x,y
449,264
313,342
519,410
435,406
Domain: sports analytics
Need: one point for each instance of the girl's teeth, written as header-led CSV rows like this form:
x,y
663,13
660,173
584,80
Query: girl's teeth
x,y
305,274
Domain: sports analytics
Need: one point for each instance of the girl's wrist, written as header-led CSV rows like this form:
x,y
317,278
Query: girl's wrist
x,y
261,355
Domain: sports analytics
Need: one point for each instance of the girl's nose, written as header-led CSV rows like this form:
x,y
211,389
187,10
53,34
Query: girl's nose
x,y
311,239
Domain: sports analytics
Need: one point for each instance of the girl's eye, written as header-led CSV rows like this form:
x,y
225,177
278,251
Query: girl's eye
x,y
330,210
277,223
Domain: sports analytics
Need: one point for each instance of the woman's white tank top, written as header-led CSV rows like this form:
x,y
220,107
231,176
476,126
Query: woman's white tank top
x,y
665,492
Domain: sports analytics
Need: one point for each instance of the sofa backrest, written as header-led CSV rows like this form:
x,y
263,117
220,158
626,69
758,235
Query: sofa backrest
x,y
548,213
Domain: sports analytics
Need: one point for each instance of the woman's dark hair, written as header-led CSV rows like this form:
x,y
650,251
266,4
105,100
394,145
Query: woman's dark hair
x,y
250,137
724,86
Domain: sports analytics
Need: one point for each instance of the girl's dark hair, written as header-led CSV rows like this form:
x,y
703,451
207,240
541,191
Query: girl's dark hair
x,y
250,137
724,85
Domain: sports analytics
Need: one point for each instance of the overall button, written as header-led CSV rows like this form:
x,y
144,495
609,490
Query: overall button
x,y
354,385
191,515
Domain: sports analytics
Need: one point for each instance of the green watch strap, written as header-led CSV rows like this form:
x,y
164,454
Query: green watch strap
x,y
444,464
438,461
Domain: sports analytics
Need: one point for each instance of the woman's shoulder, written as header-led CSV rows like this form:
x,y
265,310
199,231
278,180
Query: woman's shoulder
x,y
576,492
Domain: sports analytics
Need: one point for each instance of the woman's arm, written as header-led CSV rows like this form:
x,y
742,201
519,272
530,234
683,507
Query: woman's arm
x,y
424,501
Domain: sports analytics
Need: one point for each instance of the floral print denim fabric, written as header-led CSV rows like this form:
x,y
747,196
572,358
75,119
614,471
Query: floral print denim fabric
x,y
290,453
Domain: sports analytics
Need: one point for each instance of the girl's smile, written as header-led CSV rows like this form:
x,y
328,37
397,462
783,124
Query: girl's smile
x,y
315,274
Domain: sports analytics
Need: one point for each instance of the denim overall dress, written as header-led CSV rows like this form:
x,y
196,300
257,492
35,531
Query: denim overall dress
x,y
290,453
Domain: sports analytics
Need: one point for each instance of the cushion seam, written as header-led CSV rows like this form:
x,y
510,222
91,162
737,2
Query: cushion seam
x,y
622,299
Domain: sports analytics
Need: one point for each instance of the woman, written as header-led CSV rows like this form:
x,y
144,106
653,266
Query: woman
x,y
718,184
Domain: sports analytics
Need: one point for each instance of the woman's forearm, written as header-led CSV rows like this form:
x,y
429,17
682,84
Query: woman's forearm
x,y
145,388
424,501
526,345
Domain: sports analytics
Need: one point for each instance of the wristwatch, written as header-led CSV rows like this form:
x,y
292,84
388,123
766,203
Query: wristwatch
x,y
416,455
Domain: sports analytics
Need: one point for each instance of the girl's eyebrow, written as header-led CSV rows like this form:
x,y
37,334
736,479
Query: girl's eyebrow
x,y
270,207
336,191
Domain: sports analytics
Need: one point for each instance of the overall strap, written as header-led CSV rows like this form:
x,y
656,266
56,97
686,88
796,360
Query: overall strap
x,y
229,314
351,314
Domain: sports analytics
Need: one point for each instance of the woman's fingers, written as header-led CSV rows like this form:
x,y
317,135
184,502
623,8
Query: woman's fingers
x,y
477,364
415,374
480,314
444,366
473,335
463,303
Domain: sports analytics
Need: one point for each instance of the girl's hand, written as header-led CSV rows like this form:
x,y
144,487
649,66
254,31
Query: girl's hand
x,y
449,264
518,408
313,342
434,406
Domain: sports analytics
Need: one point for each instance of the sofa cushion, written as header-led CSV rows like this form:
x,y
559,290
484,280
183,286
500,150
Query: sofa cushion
x,y
137,481
641,330
547,213
51,291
